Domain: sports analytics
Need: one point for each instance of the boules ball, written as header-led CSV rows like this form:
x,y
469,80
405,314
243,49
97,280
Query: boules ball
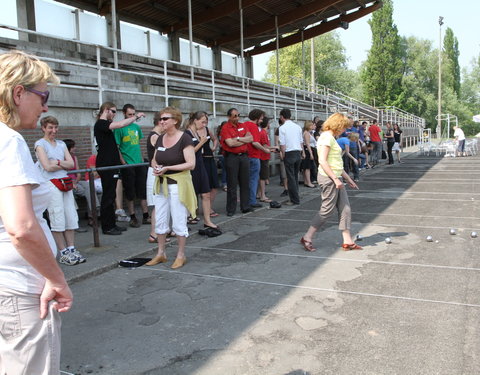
x,y
436,241
388,240
359,237
429,239
453,232
474,234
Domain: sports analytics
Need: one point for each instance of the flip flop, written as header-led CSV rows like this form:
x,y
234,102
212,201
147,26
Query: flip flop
x,y
193,221
214,214
267,200
152,239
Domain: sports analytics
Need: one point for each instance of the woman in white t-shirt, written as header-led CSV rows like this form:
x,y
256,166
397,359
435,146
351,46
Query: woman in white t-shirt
x,y
331,178
33,289
54,161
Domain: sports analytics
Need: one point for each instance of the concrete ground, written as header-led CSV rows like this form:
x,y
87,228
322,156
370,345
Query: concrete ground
x,y
252,301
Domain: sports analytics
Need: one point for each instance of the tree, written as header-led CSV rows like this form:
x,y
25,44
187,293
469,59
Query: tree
x,y
383,70
450,58
329,60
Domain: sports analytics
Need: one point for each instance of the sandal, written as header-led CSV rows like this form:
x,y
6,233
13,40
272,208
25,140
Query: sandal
x,y
152,239
353,246
214,214
193,221
307,244
266,200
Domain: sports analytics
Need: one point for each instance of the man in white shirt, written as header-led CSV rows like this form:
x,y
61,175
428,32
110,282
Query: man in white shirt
x,y
460,139
291,152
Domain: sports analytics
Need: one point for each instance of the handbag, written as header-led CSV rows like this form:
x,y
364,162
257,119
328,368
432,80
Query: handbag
x,y
63,184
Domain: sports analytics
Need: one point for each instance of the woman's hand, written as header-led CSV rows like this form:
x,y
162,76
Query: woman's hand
x,y
311,155
338,183
159,170
352,184
59,293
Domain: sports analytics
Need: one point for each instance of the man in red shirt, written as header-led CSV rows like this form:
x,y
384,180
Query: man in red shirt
x,y
254,151
374,132
235,138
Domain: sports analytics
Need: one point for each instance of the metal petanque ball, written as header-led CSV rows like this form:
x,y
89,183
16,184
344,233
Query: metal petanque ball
x,y
429,239
474,235
388,240
453,232
359,237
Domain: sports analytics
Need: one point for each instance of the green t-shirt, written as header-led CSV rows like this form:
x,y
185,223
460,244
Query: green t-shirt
x,y
334,155
128,141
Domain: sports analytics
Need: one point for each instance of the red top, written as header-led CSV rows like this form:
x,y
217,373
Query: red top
x,y
374,133
91,163
264,141
231,131
253,129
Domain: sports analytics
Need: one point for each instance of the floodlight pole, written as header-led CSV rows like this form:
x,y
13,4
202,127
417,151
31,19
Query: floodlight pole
x,y
312,65
439,115
114,34
190,37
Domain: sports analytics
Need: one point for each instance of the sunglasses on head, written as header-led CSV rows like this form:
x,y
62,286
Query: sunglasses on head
x,y
42,94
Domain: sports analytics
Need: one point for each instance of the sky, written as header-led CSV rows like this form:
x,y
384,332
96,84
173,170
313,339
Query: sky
x,y
417,18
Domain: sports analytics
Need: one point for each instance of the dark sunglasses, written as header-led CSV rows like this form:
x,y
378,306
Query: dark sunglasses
x,y
43,94
165,118
113,110
236,115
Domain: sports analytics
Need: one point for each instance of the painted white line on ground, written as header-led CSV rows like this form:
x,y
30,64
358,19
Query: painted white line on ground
x,y
68,373
406,192
367,261
317,289
382,214
362,223
419,181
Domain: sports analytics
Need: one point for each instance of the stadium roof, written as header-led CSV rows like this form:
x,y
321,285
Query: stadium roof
x,y
217,22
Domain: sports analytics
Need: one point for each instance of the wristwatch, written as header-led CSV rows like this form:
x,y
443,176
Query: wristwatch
x,y
238,138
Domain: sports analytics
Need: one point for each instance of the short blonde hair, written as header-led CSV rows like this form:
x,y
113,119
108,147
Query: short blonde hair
x,y
18,68
353,136
306,126
176,115
336,123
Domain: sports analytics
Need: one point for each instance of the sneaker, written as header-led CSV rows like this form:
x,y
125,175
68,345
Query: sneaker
x,y
112,232
68,257
147,220
284,194
80,257
134,223
121,215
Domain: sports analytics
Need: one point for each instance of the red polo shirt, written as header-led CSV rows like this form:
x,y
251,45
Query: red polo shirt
x,y
231,131
374,133
253,129
264,141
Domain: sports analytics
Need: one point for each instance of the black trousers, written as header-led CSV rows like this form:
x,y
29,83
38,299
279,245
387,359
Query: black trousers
x,y
238,174
389,152
107,205
292,162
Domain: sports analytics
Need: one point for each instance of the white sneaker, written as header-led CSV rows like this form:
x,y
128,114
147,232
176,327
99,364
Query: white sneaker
x,y
80,257
68,257
122,215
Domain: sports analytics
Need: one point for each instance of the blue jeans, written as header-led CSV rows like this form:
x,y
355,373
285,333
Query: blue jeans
x,y
254,177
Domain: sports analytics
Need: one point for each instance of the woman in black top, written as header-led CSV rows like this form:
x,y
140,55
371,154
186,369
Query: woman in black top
x,y
201,181
390,142
108,155
397,146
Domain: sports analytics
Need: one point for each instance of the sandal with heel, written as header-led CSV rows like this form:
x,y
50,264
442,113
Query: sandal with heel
x,y
307,244
353,246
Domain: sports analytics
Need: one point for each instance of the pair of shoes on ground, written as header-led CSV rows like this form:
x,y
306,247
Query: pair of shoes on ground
x,y
210,231
308,246
71,257
115,231
179,262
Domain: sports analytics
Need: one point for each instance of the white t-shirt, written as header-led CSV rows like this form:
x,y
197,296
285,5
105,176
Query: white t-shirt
x,y
56,152
290,136
459,133
17,168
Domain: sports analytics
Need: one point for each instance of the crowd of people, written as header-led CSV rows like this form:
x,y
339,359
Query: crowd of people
x,y
182,169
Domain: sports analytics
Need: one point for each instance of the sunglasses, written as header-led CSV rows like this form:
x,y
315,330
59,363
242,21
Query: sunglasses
x,y
165,118
236,115
113,111
43,94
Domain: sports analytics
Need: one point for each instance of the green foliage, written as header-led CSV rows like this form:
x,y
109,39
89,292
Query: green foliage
x,y
330,65
382,74
451,74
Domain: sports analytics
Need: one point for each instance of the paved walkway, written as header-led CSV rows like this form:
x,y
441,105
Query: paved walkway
x,y
253,302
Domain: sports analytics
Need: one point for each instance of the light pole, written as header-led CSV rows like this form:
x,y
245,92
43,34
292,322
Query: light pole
x,y
439,115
